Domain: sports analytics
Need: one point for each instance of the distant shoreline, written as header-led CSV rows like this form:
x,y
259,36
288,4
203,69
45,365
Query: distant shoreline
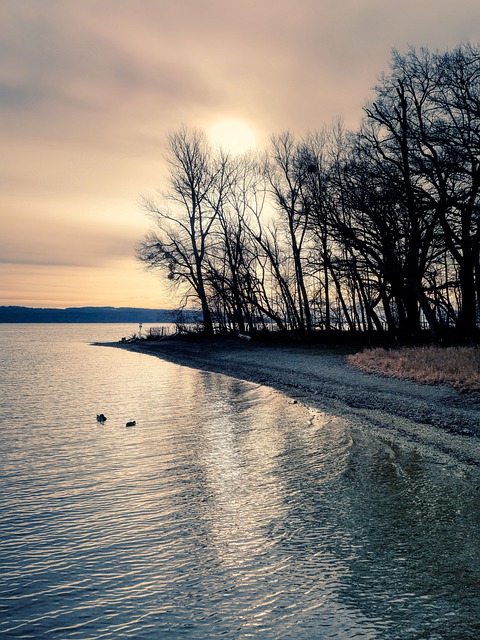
x,y
88,315
436,418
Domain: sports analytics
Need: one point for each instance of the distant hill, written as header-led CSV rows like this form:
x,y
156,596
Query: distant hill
x,y
91,314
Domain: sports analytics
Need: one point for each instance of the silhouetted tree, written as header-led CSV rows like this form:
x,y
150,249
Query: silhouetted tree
x,y
422,134
185,215
369,230
287,173
233,259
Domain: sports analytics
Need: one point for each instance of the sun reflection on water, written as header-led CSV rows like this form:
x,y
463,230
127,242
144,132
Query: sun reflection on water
x,y
225,511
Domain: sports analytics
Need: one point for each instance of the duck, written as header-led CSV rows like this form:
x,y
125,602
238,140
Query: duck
x,y
131,423
101,417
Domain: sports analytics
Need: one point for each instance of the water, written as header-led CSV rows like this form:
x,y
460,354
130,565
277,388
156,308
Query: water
x,y
226,512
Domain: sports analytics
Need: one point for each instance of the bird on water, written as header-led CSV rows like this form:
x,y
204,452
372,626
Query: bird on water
x,y
132,423
101,417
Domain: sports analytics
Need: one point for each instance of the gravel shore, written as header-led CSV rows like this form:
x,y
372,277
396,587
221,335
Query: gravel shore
x,y
434,419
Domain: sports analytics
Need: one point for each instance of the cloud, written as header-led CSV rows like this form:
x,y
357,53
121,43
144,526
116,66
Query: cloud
x,y
92,68
88,90
68,243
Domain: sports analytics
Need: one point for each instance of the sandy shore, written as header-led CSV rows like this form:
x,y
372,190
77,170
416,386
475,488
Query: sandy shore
x,y
434,419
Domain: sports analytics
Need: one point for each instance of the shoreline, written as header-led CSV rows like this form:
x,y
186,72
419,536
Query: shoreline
x,y
437,418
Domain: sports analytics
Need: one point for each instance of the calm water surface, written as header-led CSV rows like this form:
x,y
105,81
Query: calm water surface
x,y
226,512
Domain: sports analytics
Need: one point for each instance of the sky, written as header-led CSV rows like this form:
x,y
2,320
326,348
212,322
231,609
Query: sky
x,y
90,89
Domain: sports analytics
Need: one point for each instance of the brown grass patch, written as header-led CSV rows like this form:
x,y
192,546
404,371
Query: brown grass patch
x,y
456,366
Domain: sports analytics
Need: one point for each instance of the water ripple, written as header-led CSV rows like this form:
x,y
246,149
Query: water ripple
x,y
227,512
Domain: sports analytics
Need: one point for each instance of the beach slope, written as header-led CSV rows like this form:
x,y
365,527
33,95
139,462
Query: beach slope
x,y
432,418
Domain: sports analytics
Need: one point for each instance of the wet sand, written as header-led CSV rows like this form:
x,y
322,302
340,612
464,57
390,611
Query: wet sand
x,y
436,420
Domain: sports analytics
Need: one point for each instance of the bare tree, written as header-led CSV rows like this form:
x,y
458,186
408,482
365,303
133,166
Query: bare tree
x,y
424,129
368,230
287,173
233,259
184,215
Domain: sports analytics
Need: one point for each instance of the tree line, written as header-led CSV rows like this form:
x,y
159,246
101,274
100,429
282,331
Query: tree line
x,y
375,230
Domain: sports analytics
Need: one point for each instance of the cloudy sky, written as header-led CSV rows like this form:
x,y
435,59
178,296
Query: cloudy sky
x,y
89,89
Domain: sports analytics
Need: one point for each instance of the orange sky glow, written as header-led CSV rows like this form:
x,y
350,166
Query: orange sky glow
x,y
89,90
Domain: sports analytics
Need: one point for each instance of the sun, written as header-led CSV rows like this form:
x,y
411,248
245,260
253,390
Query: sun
x,y
232,136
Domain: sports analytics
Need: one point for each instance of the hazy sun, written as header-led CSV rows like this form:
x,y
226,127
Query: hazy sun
x,y
232,136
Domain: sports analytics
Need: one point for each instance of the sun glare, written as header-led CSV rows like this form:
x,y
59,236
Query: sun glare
x,y
232,136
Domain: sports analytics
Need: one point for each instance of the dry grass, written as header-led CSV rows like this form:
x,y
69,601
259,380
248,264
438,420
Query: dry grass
x,y
456,366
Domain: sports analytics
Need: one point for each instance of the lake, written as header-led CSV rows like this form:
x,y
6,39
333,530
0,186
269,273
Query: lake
x,y
227,511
